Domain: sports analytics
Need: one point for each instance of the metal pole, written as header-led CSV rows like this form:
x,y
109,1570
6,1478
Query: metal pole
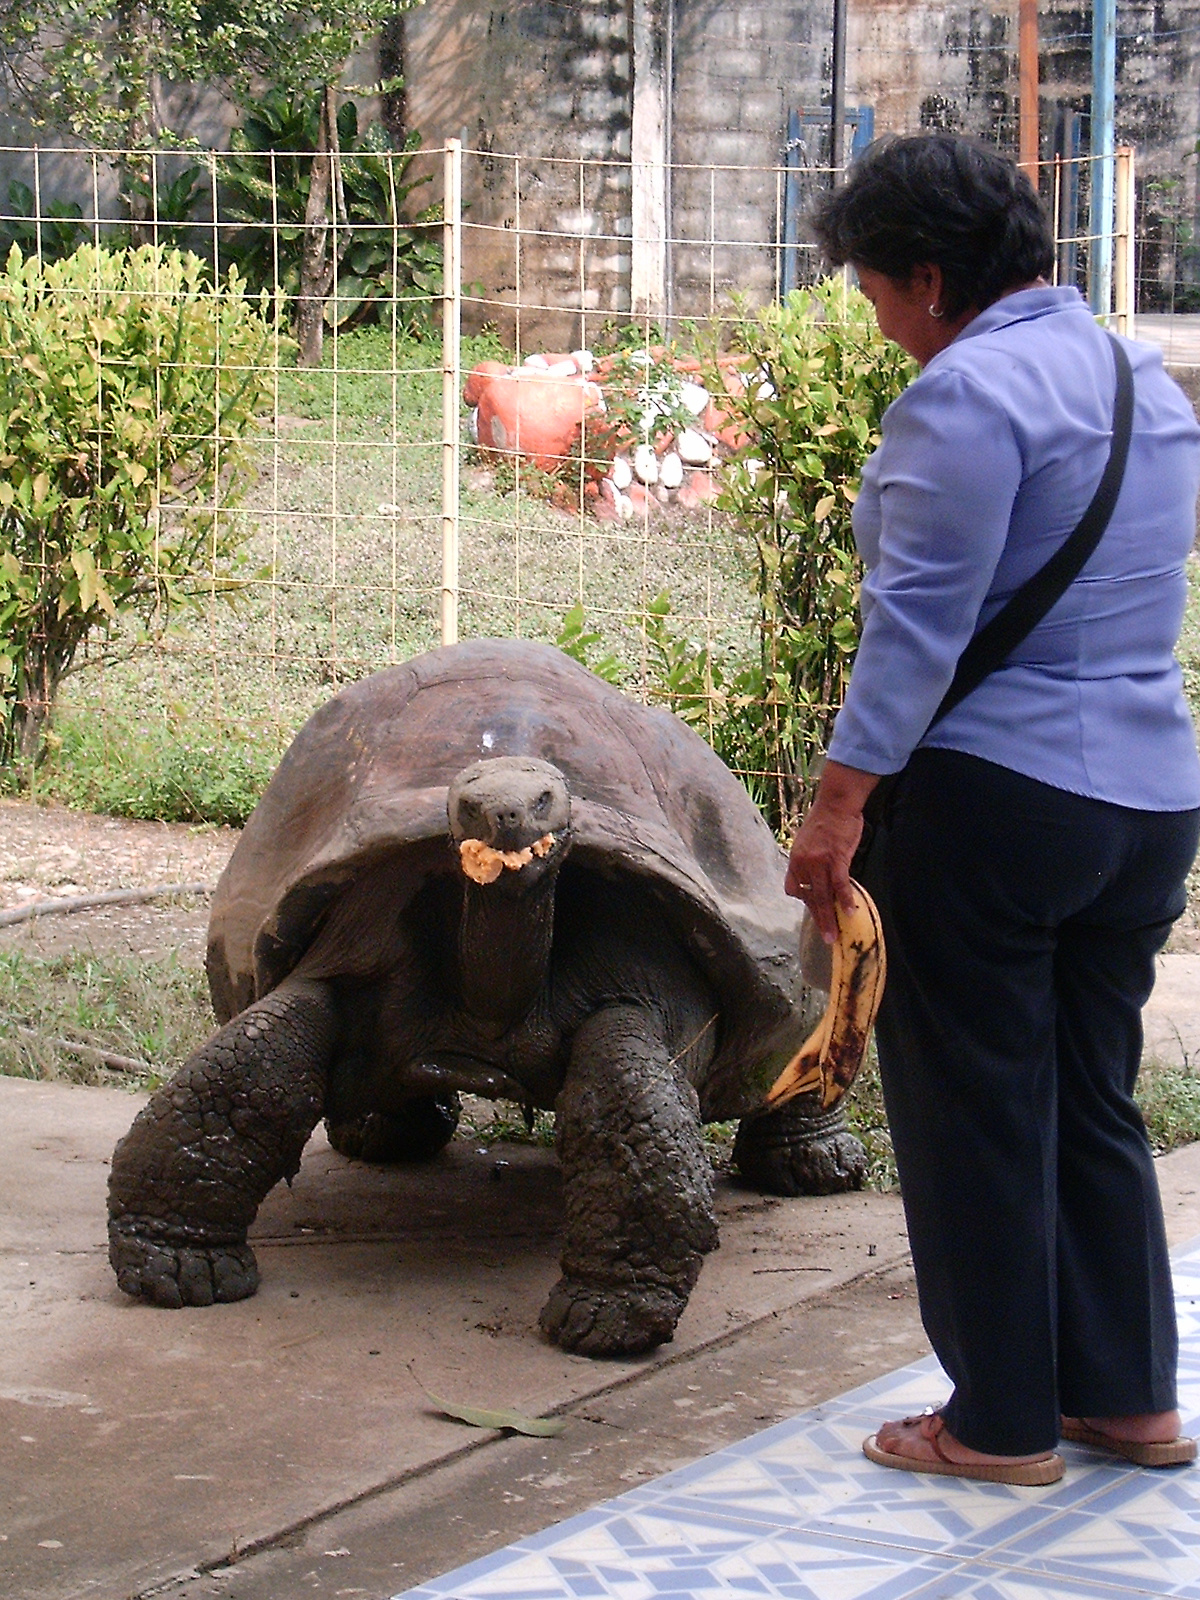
x,y
451,383
837,98
1103,142
1123,264
1027,51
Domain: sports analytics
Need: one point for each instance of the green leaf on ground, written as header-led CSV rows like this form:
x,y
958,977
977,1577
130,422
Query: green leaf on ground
x,y
488,1417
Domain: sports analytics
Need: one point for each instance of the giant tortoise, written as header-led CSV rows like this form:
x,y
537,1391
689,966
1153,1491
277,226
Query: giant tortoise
x,y
488,871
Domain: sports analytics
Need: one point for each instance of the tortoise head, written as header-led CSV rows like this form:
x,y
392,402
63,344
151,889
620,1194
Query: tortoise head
x,y
510,817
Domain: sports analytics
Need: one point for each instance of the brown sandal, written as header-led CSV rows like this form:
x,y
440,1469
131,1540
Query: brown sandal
x,y
1157,1453
1049,1469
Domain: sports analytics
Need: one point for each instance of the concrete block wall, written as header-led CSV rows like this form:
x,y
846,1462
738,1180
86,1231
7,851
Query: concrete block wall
x,y
541,91
550,84
553,82
922,65
739,65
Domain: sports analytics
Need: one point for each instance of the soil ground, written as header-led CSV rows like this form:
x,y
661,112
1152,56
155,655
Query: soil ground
x,y
49,852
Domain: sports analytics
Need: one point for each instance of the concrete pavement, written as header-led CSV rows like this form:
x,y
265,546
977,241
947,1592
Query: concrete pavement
x,y
285,1445
282,1446
139,1444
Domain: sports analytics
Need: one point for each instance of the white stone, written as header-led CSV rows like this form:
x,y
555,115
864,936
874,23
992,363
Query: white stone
x,y
536,361
694,398
670,470
694,448
645,463
473,424
622,472
562,369
583,359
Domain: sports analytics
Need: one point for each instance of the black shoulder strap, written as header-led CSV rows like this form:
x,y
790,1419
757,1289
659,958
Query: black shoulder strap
x,y
1022,612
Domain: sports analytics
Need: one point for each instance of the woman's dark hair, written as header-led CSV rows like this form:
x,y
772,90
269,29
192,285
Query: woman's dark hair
x,y
943,199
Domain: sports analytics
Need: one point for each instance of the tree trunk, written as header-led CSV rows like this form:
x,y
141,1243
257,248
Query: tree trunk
x,y
318,261
31,712
43,663
135,29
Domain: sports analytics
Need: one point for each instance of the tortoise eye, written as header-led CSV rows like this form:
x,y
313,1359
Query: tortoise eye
x,y
543,803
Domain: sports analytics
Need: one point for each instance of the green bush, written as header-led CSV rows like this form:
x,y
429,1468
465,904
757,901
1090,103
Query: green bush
x,y
126,397
58,232
822,376
819,377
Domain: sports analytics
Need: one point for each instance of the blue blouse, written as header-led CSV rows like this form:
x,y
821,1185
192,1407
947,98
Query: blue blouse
x,y
986,462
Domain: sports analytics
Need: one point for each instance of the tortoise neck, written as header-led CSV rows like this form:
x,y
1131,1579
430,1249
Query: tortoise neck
x,y
504,943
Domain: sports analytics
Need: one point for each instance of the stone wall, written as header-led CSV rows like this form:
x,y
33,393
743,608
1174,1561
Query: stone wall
x,y
541,93
549,83
553,81
739,66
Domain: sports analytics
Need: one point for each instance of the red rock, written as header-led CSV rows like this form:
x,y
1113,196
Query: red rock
x,y
644,500
533,414
479,378
699,489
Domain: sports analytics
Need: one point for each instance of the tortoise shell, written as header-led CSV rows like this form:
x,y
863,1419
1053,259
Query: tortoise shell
x,y
363,788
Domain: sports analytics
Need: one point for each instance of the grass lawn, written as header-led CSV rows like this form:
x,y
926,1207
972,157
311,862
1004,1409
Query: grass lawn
x,y
342,576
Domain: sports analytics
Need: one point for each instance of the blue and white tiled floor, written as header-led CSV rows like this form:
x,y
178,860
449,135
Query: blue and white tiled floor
x,y
798,1512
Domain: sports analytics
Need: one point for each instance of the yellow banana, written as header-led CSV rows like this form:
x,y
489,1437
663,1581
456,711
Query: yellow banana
x,y
830,1057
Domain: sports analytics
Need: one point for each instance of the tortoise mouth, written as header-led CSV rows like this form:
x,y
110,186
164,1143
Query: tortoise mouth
x,y
483,864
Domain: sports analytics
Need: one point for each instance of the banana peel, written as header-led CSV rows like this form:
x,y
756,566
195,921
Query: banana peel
x,y
830,1057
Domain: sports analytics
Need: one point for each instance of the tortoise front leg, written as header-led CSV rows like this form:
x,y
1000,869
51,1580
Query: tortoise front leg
x,y
189,1176
638,1188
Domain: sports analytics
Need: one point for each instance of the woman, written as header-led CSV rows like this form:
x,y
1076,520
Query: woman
x,y
1036,846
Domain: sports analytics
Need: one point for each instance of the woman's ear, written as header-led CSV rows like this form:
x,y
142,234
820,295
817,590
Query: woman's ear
x,y
927,285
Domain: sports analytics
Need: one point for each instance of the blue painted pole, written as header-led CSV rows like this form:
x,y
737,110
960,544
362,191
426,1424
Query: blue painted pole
x,y
1101,220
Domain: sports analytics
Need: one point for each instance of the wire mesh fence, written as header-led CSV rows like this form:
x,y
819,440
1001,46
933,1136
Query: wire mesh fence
x,y
366,523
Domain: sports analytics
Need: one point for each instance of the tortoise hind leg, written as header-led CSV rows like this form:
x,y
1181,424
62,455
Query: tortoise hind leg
x,y
799,1149
189,1176
414,1133
638,1187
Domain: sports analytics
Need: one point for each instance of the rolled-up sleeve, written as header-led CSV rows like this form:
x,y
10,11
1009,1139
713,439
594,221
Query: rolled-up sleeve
x,y
946,474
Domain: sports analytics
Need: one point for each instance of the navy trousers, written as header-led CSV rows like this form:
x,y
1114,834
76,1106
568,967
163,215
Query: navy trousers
x,y
1022,923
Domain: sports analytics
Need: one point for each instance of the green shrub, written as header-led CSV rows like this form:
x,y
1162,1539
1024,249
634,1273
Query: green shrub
x,y
58,232
822,376
819,378
126,397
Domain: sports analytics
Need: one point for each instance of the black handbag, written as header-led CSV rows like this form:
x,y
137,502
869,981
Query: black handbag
x,y
1022,611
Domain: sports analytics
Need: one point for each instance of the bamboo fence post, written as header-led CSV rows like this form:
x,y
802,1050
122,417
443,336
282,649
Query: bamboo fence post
x,y
451,385
1124,283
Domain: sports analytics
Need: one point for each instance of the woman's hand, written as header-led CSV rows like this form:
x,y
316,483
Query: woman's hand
x,y
819,866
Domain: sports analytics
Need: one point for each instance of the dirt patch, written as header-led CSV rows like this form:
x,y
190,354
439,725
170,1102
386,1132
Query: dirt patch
x,y
50,852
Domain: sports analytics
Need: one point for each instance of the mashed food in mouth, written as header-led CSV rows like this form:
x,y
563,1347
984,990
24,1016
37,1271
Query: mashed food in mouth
x,y
482,864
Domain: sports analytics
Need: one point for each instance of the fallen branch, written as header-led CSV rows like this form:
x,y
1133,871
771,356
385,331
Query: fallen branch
x,y
88,1052
105,897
